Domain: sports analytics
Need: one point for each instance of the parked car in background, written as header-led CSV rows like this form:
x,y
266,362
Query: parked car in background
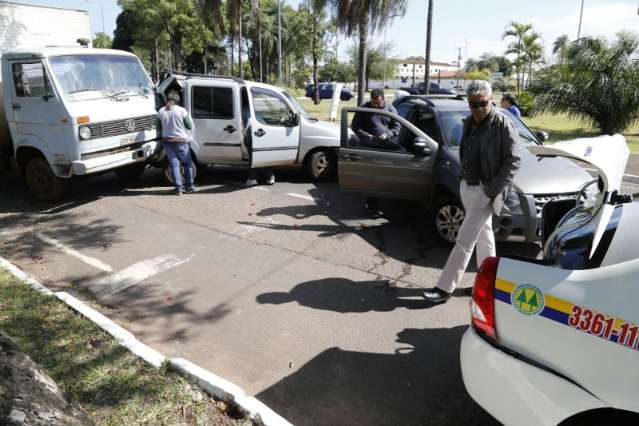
x,y
556,340
326,92
425,166
420,89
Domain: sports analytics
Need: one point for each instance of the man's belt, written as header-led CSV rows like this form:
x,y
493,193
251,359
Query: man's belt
x,y
472,182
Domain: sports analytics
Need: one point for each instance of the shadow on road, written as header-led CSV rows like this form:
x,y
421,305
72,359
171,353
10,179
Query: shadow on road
x,y
418,384
343,295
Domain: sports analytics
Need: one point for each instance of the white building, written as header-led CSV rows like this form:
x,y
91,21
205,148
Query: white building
x,y
406,69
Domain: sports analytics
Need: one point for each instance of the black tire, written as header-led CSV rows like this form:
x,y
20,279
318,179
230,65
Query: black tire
x,y
130,173
448,216
321,166
41,181
168,176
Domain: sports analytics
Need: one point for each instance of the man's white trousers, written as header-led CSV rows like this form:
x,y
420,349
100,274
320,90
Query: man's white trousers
x,y
477,229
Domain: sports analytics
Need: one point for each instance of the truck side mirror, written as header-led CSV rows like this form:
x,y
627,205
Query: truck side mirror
x,y
294,120
542,135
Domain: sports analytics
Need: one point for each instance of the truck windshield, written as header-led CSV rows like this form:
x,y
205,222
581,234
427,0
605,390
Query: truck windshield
x,y
84,77
299,108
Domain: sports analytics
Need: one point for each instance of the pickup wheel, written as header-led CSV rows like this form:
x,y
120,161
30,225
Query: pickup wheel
x,y
168,174
449,215
321,166
130,173
43,184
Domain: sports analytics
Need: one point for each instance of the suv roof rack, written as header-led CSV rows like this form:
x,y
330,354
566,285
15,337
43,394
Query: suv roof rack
x,y
194,75
428,99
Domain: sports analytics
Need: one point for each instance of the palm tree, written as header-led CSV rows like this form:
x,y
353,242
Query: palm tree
x,y
517,31
559,47
598,82
533,51
360,15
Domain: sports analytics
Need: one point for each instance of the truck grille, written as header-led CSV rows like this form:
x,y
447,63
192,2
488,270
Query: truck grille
x,y
123,127
542,199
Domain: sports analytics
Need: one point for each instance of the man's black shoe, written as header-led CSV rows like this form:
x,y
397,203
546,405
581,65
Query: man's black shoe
x,y
435,295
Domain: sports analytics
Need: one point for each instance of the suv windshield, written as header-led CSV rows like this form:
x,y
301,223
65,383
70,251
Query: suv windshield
x,y
452,127
84,77
299,108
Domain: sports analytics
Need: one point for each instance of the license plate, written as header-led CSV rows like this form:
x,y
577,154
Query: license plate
x,y
128,139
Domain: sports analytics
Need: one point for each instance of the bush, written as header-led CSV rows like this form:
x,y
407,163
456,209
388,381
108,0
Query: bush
x,y
526,103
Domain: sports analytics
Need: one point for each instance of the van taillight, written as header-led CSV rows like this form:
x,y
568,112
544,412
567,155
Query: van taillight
x,y
482,305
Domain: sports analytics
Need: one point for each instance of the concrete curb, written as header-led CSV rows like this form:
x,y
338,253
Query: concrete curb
x,y
212,383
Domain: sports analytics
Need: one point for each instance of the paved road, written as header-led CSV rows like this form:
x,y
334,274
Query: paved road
x,y
288,291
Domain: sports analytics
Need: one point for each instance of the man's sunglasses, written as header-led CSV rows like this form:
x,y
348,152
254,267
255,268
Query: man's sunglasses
x,y
482,104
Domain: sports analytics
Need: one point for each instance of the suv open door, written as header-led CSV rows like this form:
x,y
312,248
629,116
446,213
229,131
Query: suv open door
x,y
392,170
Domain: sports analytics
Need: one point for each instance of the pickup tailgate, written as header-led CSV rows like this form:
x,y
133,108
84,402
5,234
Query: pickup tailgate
x,y
583,325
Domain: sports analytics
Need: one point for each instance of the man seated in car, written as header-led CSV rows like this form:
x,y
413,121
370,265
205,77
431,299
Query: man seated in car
x,y
377,130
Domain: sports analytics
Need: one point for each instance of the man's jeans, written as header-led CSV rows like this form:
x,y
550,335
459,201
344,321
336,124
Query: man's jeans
x,y
477,228
178,153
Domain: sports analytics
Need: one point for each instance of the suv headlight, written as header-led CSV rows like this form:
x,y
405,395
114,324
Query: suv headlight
x,y
84,132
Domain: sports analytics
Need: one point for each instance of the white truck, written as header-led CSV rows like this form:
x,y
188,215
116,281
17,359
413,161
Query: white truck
x,y
244,123
69,111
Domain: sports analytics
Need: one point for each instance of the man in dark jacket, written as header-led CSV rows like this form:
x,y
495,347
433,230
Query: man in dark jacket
x,y
489,160
376,131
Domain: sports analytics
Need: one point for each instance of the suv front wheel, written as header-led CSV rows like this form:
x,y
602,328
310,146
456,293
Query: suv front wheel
x,y
449,215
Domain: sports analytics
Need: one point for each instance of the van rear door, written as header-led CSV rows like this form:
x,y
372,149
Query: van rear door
x,y
275,129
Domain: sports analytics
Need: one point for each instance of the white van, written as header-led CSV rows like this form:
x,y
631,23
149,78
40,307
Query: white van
x,y
243,123
74,111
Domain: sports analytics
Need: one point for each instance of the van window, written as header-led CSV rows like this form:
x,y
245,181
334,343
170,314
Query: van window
x,y
212,102
30,80
270,108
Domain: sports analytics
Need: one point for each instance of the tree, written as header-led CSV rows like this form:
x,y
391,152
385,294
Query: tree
x,y
375,69
429,32
560,46
123,36
102,41
517,31
533,52
598,83
357,16
334,70
316,31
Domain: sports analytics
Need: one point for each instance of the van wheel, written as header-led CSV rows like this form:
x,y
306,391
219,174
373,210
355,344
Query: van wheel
x,y
449,215
168,174
321,166
130,173
41,181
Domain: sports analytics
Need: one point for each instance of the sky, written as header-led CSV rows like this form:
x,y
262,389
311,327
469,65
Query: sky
x,y
475,26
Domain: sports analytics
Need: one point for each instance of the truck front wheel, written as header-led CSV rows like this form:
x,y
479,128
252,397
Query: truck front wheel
x,y
322,166
43,184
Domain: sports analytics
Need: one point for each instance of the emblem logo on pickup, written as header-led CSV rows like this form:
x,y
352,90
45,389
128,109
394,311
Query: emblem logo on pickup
x,y
129,125
527,299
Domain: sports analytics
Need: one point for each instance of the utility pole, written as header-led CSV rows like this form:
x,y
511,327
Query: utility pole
x,y
239,40
101,12
581,14
279,41
458,65
429,31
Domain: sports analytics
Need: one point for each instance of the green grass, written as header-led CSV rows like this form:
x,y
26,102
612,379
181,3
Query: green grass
x,y
560,126
113,385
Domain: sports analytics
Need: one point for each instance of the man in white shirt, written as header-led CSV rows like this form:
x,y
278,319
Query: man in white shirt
x,y
176,122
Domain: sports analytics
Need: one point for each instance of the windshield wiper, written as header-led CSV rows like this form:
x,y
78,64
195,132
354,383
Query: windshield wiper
x,y
114,96
80,90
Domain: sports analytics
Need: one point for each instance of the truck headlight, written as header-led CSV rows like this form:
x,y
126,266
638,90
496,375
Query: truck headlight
x,y
84,132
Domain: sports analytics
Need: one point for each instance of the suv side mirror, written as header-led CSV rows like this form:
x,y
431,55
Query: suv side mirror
x,y
421,146
542,135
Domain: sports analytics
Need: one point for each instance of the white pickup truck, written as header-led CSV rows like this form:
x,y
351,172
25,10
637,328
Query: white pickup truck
x,y
244,123
73,111
556,340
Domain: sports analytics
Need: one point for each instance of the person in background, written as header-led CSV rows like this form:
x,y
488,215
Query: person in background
x,y
489,159
377,131
509,103
176,122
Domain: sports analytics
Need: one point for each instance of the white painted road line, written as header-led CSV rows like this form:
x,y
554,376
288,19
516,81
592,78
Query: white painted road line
x,y
303,197
96,263
135,274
